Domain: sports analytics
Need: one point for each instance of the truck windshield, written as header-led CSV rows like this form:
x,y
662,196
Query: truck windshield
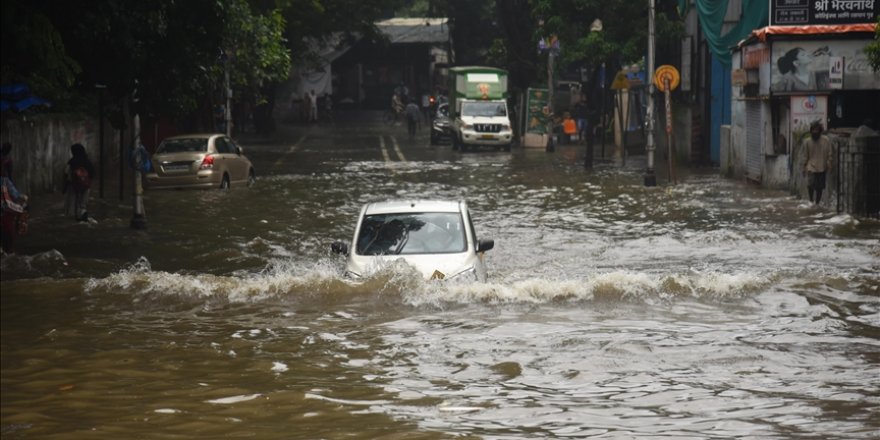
x,y
483,109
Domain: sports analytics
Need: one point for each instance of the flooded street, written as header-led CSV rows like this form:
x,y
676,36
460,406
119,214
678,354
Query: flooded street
x,y
708,309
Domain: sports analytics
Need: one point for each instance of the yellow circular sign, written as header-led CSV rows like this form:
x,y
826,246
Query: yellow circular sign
x,y
664,74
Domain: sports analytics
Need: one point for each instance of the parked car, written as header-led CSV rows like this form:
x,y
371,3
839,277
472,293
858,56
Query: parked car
x,y
441,125
199,161
436,237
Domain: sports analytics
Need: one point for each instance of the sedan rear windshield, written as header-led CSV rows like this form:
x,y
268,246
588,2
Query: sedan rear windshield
x,y
411,233
183,146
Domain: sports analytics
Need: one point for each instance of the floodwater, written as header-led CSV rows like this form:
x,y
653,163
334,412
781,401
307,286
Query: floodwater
x,y
707,309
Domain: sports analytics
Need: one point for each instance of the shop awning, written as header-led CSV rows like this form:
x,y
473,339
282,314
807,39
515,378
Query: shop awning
x,y
761,34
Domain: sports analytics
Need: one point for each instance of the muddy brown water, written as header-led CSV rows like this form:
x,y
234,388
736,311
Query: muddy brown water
x,y
708,309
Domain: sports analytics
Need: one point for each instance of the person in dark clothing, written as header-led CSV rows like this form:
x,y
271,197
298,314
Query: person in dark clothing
x,y
413,117
6,159
581,115
12,210
77,182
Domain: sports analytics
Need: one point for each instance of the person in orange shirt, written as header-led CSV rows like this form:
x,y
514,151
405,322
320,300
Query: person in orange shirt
x,y
569,127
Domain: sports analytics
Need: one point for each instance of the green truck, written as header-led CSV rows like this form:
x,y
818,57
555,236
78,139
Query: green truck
x,y
478,108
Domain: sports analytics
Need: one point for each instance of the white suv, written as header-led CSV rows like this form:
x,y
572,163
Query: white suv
x,y
436,237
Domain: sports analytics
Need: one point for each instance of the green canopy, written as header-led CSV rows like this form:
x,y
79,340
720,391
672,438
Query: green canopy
x,y
755,15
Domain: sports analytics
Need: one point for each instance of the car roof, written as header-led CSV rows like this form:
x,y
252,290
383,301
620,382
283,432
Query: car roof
x,y
404,206
195,136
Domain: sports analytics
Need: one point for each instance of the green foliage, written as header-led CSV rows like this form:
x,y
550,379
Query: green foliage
x,y
872,50
622,40
40,60
323,20
167,50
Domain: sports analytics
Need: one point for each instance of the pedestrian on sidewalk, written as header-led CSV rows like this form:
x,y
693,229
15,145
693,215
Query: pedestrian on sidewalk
x,y
817,161
77,182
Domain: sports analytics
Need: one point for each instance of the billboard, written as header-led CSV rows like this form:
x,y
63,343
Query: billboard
x,y
822,12
821,65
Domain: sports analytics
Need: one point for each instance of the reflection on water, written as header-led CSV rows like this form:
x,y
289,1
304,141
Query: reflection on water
x,y
708,309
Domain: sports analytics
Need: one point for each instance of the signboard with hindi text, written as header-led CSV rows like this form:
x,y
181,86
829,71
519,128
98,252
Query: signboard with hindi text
x,y
820,12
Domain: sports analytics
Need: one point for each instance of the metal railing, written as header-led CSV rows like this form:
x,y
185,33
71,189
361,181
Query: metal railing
x,y
858,184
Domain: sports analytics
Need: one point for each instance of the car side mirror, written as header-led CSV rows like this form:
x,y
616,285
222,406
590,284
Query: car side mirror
x,y
339,247
485,245
240,151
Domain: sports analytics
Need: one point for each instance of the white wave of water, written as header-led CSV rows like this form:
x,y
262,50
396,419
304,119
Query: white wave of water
x,y
323,282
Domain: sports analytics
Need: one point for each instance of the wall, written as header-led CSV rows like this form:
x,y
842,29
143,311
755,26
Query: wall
x,y
41,149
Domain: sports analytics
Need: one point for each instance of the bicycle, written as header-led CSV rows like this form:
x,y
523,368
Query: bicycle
x,y
391,116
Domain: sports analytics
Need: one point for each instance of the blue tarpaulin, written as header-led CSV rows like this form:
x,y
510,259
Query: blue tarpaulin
x,y
17,97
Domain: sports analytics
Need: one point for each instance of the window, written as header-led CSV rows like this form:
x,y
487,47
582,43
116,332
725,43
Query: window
x,y
411,233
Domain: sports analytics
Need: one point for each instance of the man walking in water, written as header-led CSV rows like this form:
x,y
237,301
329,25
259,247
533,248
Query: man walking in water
x,y
817,161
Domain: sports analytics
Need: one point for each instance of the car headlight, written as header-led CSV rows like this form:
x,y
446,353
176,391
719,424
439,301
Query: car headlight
x,y
469,273
352,275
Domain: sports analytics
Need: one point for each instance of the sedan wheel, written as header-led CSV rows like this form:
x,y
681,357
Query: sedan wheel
x,y
224,184
252,179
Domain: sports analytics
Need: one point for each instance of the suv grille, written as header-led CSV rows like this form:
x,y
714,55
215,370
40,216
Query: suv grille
x,y
487,128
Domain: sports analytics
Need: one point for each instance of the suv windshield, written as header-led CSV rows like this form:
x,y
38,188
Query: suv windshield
x,y
411,233
483,109
194,145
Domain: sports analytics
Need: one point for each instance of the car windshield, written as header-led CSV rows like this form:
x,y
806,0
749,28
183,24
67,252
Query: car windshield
x,y
411,233
483,109
190,145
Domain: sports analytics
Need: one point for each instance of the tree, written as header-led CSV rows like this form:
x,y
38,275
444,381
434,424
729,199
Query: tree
x,y
167,50
872,50
620,42
34,52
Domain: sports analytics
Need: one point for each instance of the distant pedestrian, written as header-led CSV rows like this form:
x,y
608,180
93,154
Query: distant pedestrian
x,y
581,117
78,180
13,212
817,161
413,117
304,107
220,118
313,106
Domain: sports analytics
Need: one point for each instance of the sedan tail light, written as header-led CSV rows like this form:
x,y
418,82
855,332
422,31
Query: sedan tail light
x,y
207,162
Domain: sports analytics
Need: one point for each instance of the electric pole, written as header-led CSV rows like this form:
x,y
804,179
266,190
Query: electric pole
x,y
650,177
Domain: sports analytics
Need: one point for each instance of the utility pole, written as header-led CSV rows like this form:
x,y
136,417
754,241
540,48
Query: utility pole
x,y
138,219
650,177
550,144
228,116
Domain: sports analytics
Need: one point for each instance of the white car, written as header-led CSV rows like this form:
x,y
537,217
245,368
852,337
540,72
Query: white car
x,y
436,237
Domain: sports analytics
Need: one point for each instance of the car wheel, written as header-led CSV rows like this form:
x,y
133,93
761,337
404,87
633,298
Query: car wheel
x,y
224,184
252,179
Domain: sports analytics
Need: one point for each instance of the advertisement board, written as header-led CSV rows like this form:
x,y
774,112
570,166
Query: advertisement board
x,y
809,66
538,112
804,111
